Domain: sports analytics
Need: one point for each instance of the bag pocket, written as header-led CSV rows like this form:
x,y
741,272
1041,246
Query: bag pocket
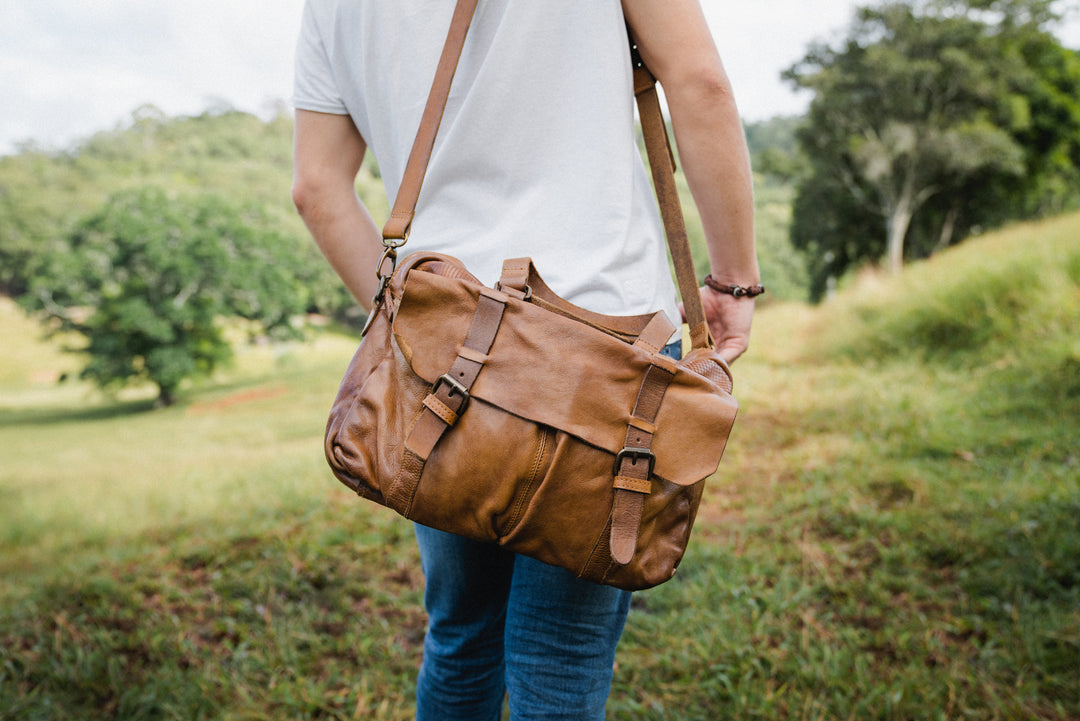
x,y
482,473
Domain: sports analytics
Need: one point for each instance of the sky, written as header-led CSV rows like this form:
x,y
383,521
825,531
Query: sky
x,y
69,68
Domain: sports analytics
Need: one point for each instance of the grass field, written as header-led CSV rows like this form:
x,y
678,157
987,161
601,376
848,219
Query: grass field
x,y
893,534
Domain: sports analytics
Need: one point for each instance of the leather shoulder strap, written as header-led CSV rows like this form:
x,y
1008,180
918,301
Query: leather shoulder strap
x,y
662,164
657,146
397,227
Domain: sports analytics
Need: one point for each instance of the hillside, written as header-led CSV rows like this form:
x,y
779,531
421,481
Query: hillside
x,y
893,534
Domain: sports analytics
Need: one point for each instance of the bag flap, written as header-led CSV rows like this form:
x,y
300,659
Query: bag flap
x,y
561,373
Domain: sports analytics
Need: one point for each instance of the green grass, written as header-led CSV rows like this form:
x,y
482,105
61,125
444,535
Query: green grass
x,y
894,532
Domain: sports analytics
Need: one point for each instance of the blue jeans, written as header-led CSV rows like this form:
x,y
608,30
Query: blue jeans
x,y
501,623
498,621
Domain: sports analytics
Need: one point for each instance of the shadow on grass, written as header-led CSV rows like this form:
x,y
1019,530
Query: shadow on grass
x,y
54,415
105,409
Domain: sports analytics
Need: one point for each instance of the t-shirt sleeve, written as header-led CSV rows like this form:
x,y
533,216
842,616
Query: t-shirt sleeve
x,y
314,85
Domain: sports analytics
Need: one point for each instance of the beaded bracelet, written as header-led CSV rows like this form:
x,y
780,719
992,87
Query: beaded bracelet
x,y
736,290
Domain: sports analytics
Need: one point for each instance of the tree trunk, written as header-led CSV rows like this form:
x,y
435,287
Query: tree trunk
x,y
947,228
165,398
895,232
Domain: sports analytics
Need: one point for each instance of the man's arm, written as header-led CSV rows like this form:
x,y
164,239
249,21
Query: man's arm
x,y
327,153
676,45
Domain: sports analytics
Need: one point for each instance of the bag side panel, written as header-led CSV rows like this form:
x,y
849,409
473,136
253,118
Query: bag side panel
x,y
378,400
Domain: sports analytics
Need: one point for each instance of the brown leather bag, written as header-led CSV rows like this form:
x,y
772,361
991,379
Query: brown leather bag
x,y
509,415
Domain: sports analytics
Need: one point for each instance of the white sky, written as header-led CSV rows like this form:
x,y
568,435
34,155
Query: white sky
x,y
69,68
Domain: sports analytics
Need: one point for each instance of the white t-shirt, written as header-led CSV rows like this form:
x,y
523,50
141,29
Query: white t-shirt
x,y
536,155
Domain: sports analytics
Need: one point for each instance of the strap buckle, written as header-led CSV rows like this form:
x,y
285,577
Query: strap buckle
x,y
455,388
634,454
528,291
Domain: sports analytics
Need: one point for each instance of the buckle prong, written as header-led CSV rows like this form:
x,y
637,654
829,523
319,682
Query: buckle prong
x,y
635,454
455,388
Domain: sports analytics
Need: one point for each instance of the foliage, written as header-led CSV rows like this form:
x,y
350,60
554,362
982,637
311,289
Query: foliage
x,y
148,278
893,533
777,163
783,266
245,161
931,119
774,147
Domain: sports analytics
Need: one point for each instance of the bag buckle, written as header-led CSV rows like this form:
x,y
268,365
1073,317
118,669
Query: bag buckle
x,y
455,388
635,454
528,291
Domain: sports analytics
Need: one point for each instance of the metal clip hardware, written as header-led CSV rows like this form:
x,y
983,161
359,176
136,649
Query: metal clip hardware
x,y
635,454
389,254
384,278
528,291
455,388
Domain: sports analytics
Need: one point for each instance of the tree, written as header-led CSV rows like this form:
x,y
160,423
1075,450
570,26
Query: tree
x,y
930,103
245,161
149,278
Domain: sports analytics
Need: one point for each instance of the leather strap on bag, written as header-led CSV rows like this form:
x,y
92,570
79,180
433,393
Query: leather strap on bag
x,y
634,463
397,227
662,164
657,145
447,399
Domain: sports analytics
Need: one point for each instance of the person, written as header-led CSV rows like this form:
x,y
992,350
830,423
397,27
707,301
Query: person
x,y
536,156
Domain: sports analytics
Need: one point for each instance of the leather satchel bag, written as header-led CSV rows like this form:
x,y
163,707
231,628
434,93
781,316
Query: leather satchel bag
x,y
509,415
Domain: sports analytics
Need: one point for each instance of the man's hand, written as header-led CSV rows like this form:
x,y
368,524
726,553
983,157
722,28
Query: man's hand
x,y
729,322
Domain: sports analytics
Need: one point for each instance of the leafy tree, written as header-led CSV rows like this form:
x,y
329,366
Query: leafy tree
x,y
246,161
149,277
936,105
36,207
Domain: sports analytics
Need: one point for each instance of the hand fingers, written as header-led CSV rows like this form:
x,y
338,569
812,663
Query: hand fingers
x,y
731,349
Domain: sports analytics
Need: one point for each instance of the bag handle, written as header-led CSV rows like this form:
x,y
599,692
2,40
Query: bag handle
x,y
657,146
